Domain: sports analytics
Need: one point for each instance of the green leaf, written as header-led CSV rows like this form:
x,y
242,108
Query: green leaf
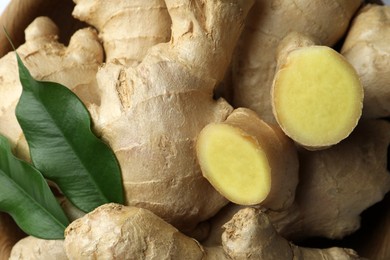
x,y
62,146
26,196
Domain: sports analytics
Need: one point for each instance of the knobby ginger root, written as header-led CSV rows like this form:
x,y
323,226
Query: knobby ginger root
x,y
114,231
250,235
9,235
248,162
367,48
20,13
128,28
74,66
316,94
217,222
151,114
337,184
269,21
32,248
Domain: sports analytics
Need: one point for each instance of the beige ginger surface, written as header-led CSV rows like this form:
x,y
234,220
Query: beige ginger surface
x,y
118,232
128,28
250,235
114,231
345,179
151,114
367,48
32,248
185,61
337,184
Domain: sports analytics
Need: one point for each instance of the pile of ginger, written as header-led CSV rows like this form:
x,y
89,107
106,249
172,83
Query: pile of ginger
x,y
242,127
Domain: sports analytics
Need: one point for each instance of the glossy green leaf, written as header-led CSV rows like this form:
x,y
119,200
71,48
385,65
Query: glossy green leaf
x,y
26,196
62,146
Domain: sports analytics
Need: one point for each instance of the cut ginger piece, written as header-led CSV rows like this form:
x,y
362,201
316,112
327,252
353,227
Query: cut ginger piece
x,y
234,164
317,96
242,158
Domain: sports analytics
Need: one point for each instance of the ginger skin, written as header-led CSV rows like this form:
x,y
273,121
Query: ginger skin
x,y
330,178
348,178
151,114
254,62
249,161
118,232
128,28
250,235
176,80
42,55
32,248
114,231
367,48
20,13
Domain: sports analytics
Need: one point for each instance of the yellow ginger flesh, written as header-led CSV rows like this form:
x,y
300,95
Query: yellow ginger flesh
x,y
249,161
255,59
317,96
234,164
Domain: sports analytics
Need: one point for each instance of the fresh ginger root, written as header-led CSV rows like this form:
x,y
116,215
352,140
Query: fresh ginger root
x,y
317,96
118,232
367,48
337,184
150,108
248,162
250,235
74,66
151,114
269,21
115,231
32,248
9,235
217,222
20,13
128,28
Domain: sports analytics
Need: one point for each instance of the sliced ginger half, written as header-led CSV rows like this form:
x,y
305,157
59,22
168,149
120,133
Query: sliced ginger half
x,y
234,164
248,161
317,96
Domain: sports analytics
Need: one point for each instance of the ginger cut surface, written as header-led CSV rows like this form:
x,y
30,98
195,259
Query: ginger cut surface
x,y
234,163
248,161
255,59
317,96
